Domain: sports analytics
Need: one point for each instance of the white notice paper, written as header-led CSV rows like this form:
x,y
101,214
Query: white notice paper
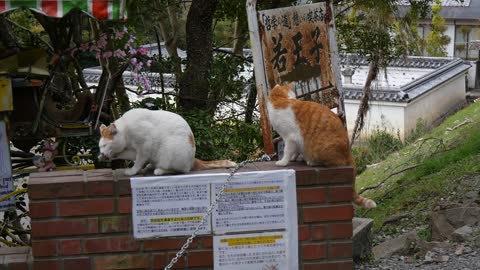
x,y
254,223
256,251
252,204
164,209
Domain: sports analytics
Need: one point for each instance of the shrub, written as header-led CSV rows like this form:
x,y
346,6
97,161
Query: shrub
x,y
378,146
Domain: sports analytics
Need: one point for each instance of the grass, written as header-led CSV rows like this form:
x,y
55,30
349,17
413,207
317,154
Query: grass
x,y
442,158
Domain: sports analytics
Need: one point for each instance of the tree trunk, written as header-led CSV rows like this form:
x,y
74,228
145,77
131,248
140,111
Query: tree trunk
x,y
194,85
363,107
251,101
239,36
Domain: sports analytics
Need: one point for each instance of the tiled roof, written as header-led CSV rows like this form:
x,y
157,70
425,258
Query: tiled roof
x,y
445,3
443,69
452,9
409,62
92,76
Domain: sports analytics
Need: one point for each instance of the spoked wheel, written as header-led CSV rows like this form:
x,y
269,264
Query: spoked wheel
x,y
72,153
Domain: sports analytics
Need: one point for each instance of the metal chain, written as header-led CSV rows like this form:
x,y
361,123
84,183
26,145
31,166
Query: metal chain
x,y
211,207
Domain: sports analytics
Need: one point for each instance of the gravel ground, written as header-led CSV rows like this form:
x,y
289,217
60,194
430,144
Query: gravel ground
x,y
438,259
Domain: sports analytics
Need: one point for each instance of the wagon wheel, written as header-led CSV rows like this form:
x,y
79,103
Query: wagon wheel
x,y
71,153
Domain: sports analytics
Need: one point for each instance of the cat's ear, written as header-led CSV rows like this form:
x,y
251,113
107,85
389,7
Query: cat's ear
x,y
290,85
113,129
102,128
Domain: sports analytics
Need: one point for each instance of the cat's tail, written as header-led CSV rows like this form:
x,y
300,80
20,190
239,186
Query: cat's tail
x,y
362,201
204,165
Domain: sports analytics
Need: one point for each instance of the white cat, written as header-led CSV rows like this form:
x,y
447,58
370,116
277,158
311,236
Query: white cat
x,y
161,138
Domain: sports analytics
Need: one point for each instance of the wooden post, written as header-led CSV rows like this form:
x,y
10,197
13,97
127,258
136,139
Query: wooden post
x,y
260,79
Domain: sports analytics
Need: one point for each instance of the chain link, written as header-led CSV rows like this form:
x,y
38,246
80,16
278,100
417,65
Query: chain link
x,y
211,207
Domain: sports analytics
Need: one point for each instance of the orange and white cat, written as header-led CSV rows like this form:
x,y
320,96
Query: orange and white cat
x,y
162,139
312,132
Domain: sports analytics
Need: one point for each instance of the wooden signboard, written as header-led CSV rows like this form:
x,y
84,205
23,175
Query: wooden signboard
x,y
295,44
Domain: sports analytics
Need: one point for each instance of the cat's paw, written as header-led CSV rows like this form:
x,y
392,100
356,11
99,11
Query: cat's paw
x,y
282,163
130,172
159,171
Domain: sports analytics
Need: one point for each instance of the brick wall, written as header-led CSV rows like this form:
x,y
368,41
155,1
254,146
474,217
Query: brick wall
x,y
81,220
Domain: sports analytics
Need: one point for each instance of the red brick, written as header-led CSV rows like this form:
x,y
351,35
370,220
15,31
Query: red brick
x,y
314,251
18,266
100,188
55,174
113,224
336,175
82,263
45,248
311,195
55,190
340,194
54,228
329,266
188,260
42,209
123,185
340,250
207,241
166,244
200,258
160,261
111,244
99,175
85,207
125,205
71,247
47,264
305,176
319,232
120,262
342,230
327,213
303,233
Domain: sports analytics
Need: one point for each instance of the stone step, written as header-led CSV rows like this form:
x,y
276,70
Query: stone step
x,y
362,238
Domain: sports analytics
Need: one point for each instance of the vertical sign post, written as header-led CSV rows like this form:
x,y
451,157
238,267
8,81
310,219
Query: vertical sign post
x,y
295,44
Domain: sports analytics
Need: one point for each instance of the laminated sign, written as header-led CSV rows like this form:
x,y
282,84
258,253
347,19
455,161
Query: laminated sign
x,y
6,181
254,225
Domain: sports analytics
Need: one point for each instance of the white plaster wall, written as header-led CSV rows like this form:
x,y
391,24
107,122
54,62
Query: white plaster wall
x,y
389,78
435,103
472,74
451,33
389,115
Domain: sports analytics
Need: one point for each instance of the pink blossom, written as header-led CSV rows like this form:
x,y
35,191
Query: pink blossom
x,y
132,51
101,43
73,51
84,47
149,63
94,48
107,54
119,34
133,61
119,53
97,54
142,50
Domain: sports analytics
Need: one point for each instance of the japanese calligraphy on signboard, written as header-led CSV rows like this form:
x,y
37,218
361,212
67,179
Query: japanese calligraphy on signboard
x,y
254,224
295,47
